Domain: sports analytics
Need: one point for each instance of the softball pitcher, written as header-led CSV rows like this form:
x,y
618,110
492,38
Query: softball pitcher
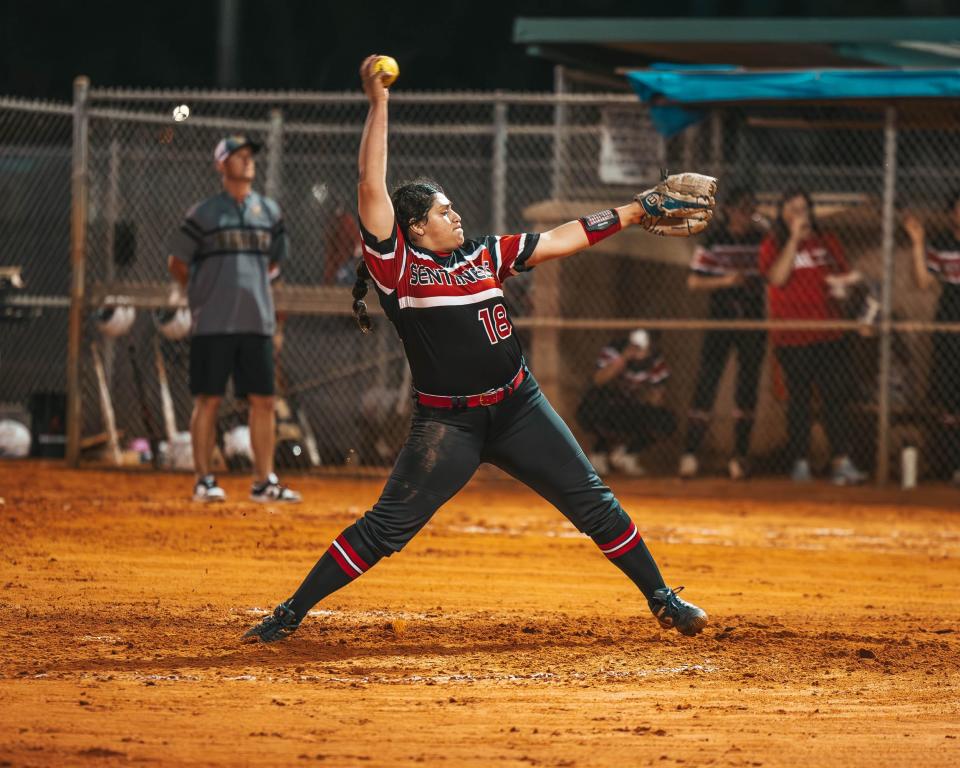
x,y
476,400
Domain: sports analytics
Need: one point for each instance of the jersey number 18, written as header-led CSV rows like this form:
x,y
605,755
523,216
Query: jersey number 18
x,y
496,324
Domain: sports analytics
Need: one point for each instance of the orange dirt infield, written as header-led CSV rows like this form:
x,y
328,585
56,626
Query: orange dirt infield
x,y
498,637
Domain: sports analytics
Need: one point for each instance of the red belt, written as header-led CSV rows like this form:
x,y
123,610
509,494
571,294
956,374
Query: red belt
x,y
490,397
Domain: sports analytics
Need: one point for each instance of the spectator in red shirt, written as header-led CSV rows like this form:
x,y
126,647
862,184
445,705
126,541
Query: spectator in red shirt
x,y
806,272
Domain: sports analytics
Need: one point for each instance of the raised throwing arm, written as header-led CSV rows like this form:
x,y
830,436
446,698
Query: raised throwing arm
x,y
373,199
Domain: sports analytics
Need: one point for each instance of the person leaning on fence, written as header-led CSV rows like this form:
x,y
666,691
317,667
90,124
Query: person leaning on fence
x,y
937,259
807,272
725,264
225,254
624,407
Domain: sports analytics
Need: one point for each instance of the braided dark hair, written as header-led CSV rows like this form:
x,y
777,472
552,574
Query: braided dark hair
x,y
412,201
359,305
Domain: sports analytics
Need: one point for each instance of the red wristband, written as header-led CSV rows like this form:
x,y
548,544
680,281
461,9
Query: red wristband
x,y
599,225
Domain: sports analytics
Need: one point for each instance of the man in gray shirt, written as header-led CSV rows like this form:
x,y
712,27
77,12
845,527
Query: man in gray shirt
x,y
225,254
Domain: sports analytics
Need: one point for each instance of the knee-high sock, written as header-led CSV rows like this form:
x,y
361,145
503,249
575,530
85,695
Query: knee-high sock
x,y
629,553
347,558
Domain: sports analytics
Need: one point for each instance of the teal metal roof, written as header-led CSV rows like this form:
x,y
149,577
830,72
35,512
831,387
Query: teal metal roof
x,y
686,87
731,30
802,42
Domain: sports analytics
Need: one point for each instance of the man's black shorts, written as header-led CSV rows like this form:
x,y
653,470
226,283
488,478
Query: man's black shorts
x,y
248,356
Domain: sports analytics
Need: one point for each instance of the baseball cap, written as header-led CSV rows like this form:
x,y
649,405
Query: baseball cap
x,y
640,338
227,146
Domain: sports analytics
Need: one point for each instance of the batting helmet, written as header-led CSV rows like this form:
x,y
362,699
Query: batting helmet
x,y
14,439
115,321
173,324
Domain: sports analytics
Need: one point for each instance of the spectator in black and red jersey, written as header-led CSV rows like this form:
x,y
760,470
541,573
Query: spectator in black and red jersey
x,y
807,273
625,406
725,264
937,259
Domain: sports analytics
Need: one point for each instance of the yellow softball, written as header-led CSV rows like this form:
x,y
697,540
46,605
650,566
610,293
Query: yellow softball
x,y
387,67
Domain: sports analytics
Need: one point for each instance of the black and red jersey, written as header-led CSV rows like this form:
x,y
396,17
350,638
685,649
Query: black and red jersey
x,y
637,375
448,308
722,253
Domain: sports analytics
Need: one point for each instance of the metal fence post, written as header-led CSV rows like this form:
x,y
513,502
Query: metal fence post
x,y
498,182
111,214
79,181
274,154
559,140
886,299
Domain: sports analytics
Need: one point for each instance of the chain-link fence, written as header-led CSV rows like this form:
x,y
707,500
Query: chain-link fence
x,y
729,366
34,268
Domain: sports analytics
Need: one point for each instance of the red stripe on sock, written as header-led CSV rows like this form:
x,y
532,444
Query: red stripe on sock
x,y
621,538
352,553
623,550
344,565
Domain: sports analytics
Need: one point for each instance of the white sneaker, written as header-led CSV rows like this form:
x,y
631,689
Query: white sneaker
x,y
846,473
207,490
626,462
737,468
689,466
600,463
270,491
801,471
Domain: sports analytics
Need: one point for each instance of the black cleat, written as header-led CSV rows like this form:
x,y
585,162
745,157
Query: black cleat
x,y
674,613
282,623
270,491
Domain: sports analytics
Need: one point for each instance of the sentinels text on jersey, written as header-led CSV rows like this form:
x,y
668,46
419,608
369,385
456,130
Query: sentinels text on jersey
x,y
449,310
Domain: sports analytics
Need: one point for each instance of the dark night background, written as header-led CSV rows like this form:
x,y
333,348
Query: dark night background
x,y
298,44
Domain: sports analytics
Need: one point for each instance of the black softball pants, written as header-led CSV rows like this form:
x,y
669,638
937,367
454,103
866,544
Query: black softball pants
x,y
750,347
827,366
717,345
522,435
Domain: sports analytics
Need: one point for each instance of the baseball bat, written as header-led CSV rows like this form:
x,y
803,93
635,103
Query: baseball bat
x,y
166,401
288,405
153,434
309,438
106,406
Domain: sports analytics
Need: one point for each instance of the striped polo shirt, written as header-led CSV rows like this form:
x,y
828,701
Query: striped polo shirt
x,y
229,247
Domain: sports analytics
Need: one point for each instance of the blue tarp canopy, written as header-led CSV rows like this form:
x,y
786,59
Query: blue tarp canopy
x,y
724,84
701,85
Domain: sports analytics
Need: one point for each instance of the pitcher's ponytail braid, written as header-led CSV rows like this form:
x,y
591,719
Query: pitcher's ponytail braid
x,y
359,305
